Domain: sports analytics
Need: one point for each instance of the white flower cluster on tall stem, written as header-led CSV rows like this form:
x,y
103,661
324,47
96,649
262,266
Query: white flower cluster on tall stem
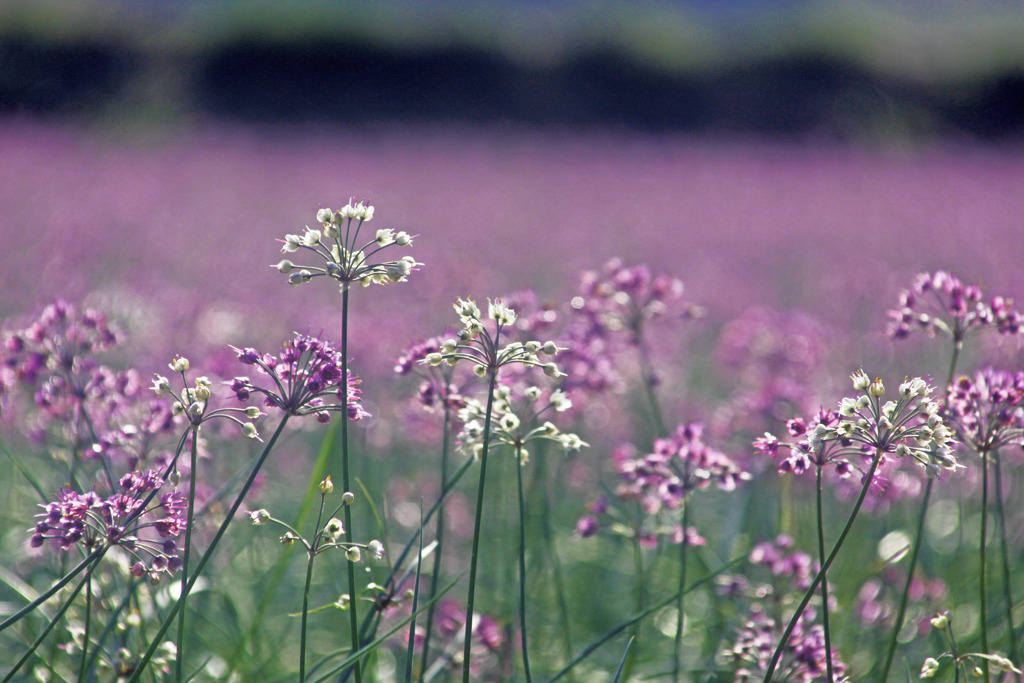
x,y
909,425
516,422
476,344
346,258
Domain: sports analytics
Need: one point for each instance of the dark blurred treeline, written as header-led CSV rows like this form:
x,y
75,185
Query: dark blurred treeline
x,y
151,62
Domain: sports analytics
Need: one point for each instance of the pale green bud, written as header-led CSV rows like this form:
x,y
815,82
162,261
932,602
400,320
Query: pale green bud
x,y
252,412
353,554
326,486
347,498
284,266
179,364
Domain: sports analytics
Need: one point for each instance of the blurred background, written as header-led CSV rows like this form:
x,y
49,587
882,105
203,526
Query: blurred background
x,y
776,155
853,71
787,153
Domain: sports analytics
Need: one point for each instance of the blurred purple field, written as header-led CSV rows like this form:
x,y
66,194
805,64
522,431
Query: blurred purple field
x,y
176,234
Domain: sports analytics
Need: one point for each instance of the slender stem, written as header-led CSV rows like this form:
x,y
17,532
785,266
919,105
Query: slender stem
x,y
475,553
353,619
155,642
824,581
312,550
551,552
522,565
95,562
1005,558
680,614
647,368
415,598
88,619
983,597
31,607
193,453
918,539
435,575
824,567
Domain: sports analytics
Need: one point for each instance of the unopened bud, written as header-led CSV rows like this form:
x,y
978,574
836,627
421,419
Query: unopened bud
x,y
326,486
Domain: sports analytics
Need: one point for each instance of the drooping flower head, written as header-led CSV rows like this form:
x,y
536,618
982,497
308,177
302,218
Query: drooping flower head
x,y
939,303
131,519
307,380
861,427
439,386
340,252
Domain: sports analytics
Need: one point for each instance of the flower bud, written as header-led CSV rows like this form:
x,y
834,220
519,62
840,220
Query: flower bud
x,y
940,621
249,431
877,389
334,528
347,498
930,668
353,554
252,412
324,215
179,364
284,266
288,538
259,517
326,486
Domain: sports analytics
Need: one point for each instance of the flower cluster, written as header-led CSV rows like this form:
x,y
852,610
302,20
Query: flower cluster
x,y
481,349
774,359
623,299
804,657
516,423
438,386
193,401
662,480
345,258
307,380
121,519
489,641
988,410
864,427
80,405
940,303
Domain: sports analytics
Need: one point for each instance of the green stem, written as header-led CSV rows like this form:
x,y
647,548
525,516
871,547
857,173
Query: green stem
x,y
435,575
31,607
475,553
824,581
680,615
193,453
647,368
353,618
918,540
824,567
551,551
981,563
305,590
1005,558
155,642
522,565
94,558
415,599
88,619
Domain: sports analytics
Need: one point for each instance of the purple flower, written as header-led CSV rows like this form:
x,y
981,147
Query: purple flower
x,y
939,303
307,380
987,411
127,518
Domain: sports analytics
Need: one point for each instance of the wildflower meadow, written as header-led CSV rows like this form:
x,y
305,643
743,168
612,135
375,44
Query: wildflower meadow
x,y
447,405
